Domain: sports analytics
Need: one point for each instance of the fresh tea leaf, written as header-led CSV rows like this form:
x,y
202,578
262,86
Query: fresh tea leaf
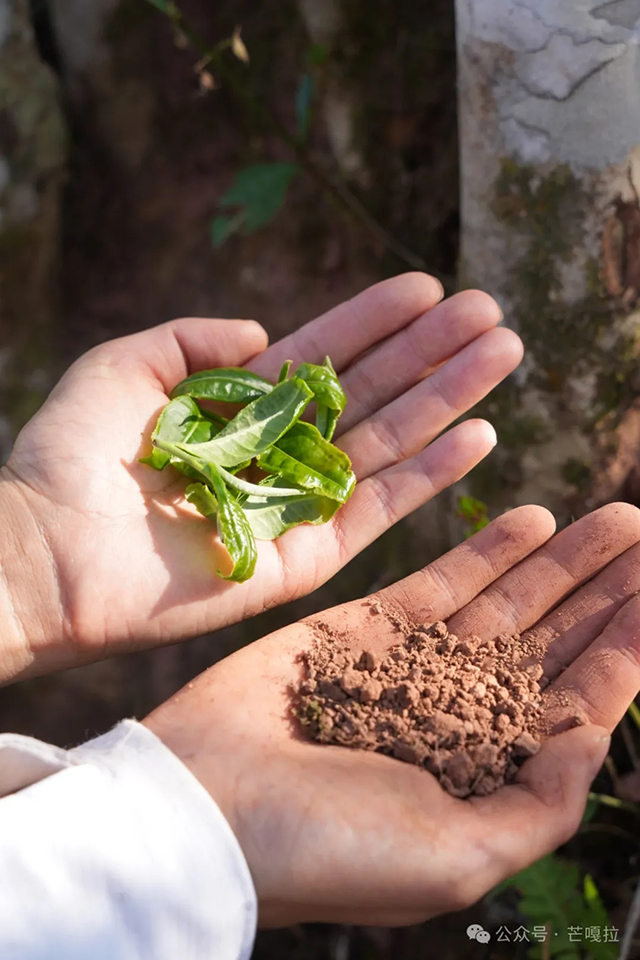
x,y
269,518
284,371
179,422
326,420
234,531
323,381
201,497
231,384
258,426
328,394
303,457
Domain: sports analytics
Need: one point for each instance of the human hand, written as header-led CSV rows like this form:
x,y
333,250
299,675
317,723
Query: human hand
x,y
338,835
116,560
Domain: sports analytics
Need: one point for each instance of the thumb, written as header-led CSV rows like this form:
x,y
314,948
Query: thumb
x,y
549,797
173,350
560,775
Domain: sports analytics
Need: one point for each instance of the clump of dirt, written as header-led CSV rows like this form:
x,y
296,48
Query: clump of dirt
x,y
469,710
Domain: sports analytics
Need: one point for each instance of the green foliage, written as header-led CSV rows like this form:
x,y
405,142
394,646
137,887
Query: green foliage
x,y
327,392
258,426
474,512
304,458
552,896
258,192
304,99
307,481
269,518
231,384
165,6
180,422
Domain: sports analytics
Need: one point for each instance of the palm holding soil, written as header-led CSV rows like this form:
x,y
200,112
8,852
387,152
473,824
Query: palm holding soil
x,y
337,835
123,562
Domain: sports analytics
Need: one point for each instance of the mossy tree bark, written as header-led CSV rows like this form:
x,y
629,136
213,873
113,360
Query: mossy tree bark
x,y
32,161
550,141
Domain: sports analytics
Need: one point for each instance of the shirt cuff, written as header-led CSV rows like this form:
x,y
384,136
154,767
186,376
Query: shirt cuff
x,y
115,850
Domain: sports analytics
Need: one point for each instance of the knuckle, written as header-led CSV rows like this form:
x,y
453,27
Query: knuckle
x,y
386,434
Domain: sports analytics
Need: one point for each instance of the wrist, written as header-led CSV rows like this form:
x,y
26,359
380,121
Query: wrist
x,y
31,611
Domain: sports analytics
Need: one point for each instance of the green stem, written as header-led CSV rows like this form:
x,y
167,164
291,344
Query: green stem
x,y
255,490
607,801
634,713
212,472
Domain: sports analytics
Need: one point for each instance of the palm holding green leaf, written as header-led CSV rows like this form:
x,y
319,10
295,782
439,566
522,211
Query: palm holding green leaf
x,y
92,511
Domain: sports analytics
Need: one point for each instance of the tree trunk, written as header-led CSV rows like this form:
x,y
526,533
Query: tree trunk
x,y
32,158
550,131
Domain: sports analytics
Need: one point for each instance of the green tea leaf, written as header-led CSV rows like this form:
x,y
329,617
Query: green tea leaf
x,y
258,426
323,381
303,457
326,420
260,191
179,422
269,518
233,527
202,497
328,394
231,384
284,371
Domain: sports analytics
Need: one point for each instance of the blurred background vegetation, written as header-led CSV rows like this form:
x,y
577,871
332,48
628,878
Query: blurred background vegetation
x,y
253,160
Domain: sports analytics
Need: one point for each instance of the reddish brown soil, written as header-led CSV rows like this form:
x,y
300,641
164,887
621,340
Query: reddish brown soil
x,y
469,710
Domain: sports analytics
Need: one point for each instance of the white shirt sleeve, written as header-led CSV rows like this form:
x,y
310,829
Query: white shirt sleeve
x,y
114,851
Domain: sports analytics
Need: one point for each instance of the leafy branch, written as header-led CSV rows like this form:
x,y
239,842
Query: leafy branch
x,y
251,215
306,478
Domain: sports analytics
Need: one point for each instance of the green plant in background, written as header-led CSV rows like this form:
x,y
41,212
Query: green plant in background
x,y
474,513
552,896
306,478
259,190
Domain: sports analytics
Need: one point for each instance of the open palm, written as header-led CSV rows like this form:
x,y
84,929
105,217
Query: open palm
x,y
133,563
338,835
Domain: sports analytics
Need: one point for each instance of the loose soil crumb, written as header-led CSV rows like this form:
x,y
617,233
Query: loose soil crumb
x,y
469,711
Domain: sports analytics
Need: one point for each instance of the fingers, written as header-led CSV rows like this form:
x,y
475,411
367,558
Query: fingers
x,y
380,501
526,592
569,630
452,581
351,328
412,421
599,686
549,798
415,351
172,351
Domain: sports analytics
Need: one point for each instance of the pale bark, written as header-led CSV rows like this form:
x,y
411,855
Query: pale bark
x,y
550,135
32,159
